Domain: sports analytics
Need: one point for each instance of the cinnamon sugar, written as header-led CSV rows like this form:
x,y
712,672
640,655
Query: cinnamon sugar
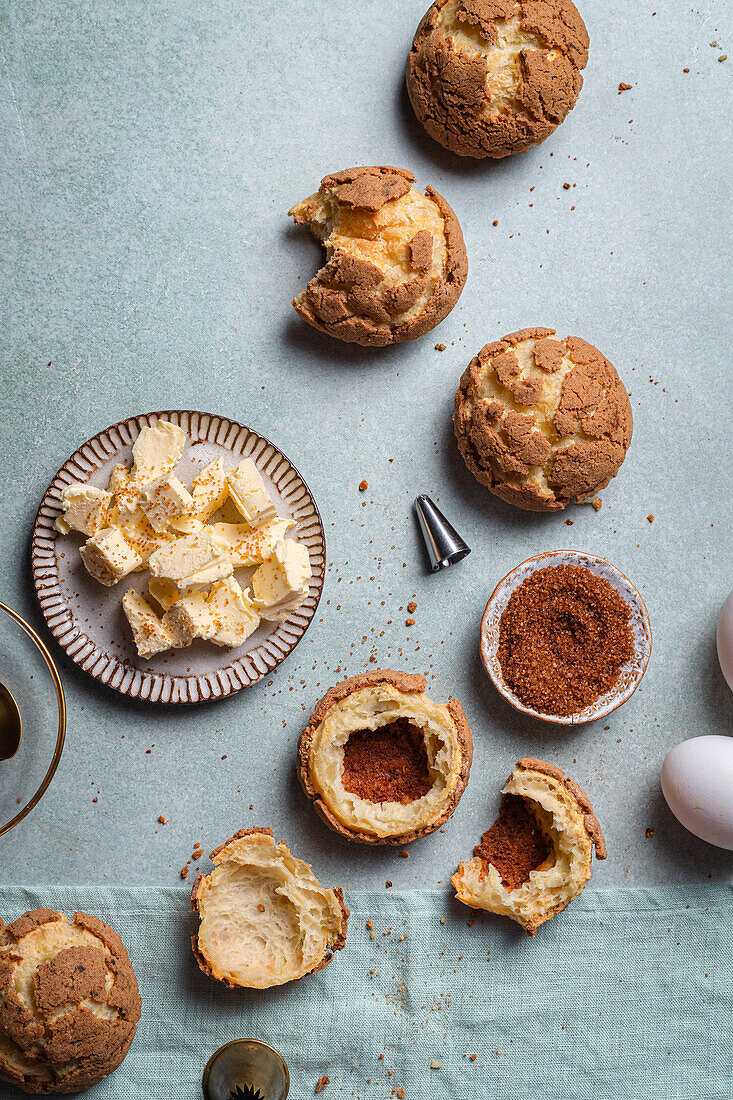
x,y
563,638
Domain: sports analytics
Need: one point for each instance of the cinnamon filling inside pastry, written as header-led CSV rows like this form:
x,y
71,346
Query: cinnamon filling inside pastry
x,y
514,844
389,764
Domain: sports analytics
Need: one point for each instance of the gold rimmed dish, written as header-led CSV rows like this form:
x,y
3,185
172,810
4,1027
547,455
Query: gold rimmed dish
x,y
28,672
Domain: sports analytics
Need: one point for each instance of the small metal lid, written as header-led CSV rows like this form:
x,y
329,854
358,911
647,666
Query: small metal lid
x,y
443,543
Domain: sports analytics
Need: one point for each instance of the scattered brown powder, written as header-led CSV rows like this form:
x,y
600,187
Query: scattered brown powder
x,y
563,637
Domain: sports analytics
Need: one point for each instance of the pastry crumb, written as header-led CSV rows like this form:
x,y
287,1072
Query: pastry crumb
x,y
404,854
650,518
597,503
624,88
650,832
322,1082
436,1064
184,872
440,347
363,486
412,606
162,820
472,1057
409,622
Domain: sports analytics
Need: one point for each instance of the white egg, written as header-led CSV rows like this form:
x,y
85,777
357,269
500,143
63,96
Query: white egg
x,y
697,781
725,640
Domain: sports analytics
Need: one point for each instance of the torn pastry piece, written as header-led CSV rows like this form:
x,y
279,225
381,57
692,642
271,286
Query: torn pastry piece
x,y
540,421
69,1002
264,917
383,763
164,501
281,583
489,78
536,857
234,615
109,556
247,490
395,259
191,559
85,509
150,633
190,617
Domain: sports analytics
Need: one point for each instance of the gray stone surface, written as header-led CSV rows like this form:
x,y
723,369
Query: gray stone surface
x,y
150,152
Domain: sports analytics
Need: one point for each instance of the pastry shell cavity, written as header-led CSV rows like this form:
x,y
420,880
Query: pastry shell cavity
x,y
540,421
490,78
565,816
264,917
69,1001
368,702
396,262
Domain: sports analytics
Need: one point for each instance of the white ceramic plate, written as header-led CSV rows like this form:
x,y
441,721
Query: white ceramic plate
x,y
630,674
87,619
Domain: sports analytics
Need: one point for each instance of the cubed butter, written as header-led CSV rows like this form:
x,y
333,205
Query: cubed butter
x,y
150,634
247,490
193,559
235,616
280,584
119,478
155,452
247,546
144,538
85,509
209,490
164,501
189,618
109,557
166,593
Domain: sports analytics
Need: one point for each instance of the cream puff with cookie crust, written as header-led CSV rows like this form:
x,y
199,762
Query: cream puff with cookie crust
x,y
537,855
69,1002
542,422
395,259
383,763
490,78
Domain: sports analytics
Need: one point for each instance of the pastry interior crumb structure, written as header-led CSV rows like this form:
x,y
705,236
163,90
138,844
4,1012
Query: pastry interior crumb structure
x,y
69,1001
381,762
542,422
490,78
395,259
537,855
264,917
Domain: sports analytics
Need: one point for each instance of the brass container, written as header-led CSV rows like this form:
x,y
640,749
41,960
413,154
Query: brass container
x,y
246,1069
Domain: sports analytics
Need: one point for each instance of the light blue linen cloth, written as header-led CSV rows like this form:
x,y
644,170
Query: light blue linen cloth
x,y
626,995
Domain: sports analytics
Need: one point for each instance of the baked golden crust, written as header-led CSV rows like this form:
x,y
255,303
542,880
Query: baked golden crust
x,y
562,817
366,704
541,421
265,918
396,262
69,1001
489,78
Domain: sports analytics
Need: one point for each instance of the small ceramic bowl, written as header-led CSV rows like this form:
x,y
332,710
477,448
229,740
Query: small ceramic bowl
x,y
630,674
28,672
